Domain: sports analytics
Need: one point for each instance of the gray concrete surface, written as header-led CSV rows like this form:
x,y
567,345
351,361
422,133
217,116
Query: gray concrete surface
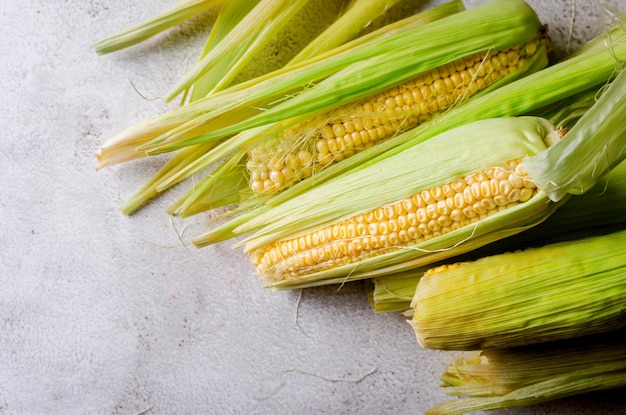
x,y
106,314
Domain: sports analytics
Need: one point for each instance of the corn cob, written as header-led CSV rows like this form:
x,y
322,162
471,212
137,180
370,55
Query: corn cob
x,y
521,376
329,138
458,194
425,215
557,291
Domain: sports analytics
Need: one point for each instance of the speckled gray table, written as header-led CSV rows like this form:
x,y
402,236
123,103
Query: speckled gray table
x,y
105,314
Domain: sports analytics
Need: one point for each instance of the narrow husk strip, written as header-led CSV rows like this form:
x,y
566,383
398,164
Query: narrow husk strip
x,y
180,12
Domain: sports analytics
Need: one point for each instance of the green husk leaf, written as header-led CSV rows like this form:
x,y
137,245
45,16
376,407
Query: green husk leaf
x,y
393,293
180,12
230,15
448,156
256,27
346,28
595,145
558,387
166,174
217,189
223,231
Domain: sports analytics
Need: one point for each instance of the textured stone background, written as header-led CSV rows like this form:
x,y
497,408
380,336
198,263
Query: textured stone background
x,y
106,314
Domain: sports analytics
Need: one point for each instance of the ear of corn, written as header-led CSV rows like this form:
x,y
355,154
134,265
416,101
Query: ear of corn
x,y
521,376
556,291
249,98
180,12
419,206
165,174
